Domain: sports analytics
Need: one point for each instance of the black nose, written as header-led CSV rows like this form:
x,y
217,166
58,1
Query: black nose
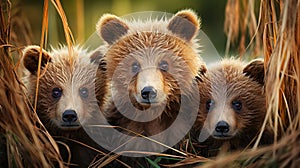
x,y
69,116
148,93
222,127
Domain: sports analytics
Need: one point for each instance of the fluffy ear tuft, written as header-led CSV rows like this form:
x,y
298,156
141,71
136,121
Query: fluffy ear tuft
x,y
31,58
255,70
185,24
110,28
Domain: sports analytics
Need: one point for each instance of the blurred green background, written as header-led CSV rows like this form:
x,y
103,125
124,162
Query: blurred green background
x,y
83,15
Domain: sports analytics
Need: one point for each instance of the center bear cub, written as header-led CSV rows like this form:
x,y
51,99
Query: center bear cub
x,y
233,108
151,66
66,98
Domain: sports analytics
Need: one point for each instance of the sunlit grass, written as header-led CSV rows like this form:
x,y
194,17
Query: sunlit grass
x,y
26,143
275,33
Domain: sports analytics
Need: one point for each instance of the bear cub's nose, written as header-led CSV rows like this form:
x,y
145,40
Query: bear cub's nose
x,y
222,127
69,116
148,93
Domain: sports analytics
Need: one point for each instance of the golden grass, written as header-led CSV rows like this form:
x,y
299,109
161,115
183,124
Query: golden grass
x,y
240,21
24,140
280,32
67,31
26,143
274,31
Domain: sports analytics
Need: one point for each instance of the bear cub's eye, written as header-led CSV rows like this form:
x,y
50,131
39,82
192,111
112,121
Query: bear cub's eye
x,y
84,92
56,93
237,105
209,104
163,65
135,67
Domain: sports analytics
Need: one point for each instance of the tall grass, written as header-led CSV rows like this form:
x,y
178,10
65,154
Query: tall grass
x,y
26,143
278,30
241,27
273,31
24,140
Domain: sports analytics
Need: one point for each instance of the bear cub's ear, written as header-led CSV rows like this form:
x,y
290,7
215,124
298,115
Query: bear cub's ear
x,y
255,70
31,58
111,28
97,58
185,24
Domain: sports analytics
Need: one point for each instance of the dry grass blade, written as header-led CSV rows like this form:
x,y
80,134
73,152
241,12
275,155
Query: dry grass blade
x,y
27,145
231,23
281,43
143,136
287,149
42,43
188,161
68,34
282,68
240,22
269,24
111,159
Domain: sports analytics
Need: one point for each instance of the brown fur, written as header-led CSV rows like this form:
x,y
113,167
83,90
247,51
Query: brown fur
x,y
228,81
183,27
112,24
149,44
57,71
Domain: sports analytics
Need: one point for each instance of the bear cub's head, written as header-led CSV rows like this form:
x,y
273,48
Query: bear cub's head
x,y
153,61
235,107
66,92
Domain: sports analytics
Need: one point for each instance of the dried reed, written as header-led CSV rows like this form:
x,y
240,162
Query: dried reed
x,y
240,21
26,143
276,33
279,23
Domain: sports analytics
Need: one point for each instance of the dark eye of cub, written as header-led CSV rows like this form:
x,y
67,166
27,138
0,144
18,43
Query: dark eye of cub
x,y
135,67
237,105
56,93
163,65
209,105
84,92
